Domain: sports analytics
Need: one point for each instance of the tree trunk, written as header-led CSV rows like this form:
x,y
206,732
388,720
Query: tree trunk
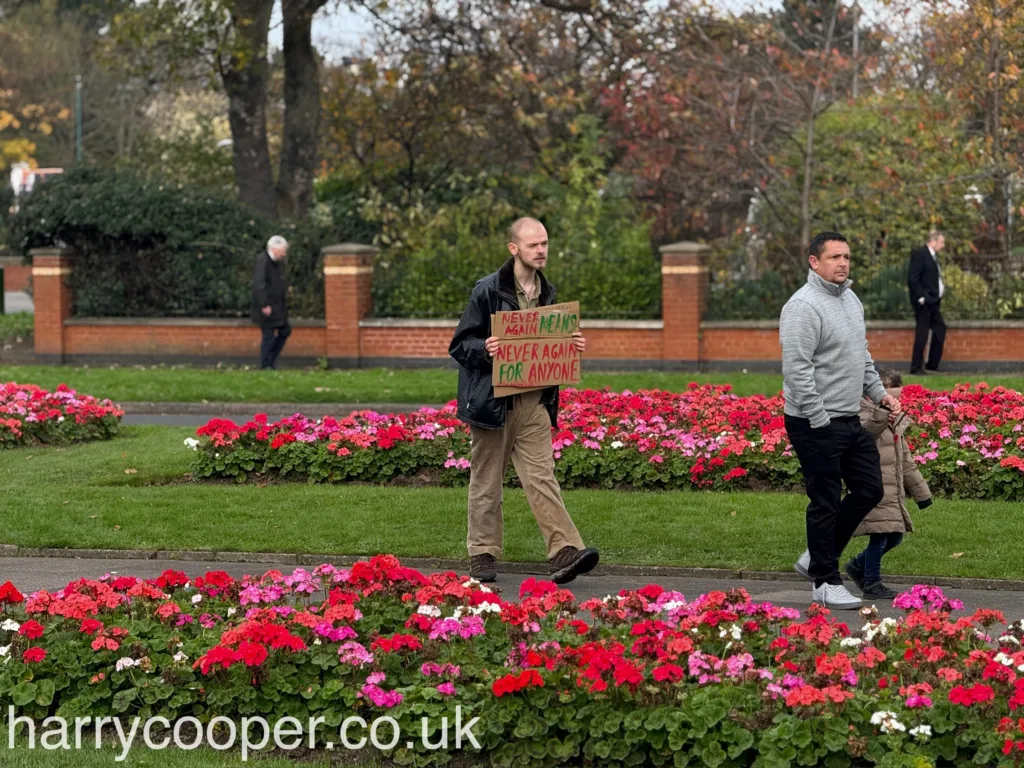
x,y
245,82
301,109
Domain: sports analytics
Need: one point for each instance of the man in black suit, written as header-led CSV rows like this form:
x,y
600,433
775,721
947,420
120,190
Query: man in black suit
x,y
926,290
270,301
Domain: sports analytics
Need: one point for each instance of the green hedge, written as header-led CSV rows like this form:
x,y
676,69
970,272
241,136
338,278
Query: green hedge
x,y
147,248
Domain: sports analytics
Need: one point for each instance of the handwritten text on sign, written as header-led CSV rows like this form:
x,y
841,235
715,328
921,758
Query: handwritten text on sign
x,y
537,362
555,321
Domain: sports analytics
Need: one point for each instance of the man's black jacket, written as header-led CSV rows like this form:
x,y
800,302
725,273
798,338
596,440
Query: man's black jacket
x,y
495,293
269,288
923,277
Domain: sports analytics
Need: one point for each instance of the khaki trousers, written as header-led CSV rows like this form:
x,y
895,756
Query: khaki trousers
x,y
526,439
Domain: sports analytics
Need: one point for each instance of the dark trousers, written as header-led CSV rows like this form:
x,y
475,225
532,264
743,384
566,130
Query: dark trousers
x,y
842,451
870,560
929,318
272,344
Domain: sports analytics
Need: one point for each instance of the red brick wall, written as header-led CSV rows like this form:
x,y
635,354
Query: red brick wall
x,y
963,344
379,341
16,277
405,341
185,339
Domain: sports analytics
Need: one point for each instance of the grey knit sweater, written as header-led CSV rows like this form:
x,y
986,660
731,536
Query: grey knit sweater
x,y
826,365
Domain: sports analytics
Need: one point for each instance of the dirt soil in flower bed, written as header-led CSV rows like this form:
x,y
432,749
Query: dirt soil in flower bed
x,y
968,443
644,677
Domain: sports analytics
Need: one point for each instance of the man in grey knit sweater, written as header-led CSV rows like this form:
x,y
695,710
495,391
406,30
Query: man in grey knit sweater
x,y
827,369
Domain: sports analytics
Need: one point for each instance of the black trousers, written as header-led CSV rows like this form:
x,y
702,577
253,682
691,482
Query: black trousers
x,y
272,344
929,318
842,451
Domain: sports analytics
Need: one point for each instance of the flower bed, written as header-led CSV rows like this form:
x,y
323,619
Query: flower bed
x,y
641,678
30,415
969,443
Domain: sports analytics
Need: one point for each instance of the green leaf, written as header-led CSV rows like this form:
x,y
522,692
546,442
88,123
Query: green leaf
x,y
23,693
45,690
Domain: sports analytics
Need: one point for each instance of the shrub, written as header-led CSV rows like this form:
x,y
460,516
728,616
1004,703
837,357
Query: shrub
x,y
147,248
434,248
759,299
17,326
967,295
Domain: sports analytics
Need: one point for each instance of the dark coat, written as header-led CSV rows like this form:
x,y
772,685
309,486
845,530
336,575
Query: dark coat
x,y
269,287
923,277
477,405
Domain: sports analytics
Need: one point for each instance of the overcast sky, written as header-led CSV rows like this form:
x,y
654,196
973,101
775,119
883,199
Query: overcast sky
x,y
338,31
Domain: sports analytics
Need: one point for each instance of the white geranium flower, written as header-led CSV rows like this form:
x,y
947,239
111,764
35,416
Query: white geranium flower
x,y
618,444
851,642
232,612
4,650
924,731
125,663
735,632
484,608
10,625
180,657
429,610
197,599
887,721
191,442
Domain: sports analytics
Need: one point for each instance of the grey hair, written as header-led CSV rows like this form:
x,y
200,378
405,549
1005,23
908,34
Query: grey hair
x,y
934,235
276,242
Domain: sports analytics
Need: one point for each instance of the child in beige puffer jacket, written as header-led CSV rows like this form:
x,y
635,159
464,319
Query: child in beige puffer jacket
x,y
889,521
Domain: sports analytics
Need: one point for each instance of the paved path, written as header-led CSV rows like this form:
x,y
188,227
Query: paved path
x,y
33,573
17,301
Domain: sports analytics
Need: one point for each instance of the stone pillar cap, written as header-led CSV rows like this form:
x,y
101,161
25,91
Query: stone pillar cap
x,y
685,246
51,251
349,249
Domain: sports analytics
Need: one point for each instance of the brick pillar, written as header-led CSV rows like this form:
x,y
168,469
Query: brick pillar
x,y
51,295
348,298
684,292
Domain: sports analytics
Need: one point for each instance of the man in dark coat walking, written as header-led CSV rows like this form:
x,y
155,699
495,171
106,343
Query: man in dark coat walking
x,y
270,301
924,279
517,427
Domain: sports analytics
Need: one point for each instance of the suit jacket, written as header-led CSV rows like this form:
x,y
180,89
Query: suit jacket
x,y
269,287
923,277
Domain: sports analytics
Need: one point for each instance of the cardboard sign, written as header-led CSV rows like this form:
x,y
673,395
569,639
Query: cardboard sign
x,y
536,350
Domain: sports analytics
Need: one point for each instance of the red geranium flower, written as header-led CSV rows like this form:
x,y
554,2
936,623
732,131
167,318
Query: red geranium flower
x,y
31,629
8,594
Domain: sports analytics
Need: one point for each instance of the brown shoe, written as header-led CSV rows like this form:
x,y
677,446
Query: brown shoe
x,y
482,567
571,562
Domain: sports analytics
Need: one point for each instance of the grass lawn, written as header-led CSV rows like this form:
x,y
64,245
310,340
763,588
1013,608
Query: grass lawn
x,y
142,757
183,384
82,497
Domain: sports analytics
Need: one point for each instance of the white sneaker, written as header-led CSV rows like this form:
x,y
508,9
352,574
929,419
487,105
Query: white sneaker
x,y
835,596
803,565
